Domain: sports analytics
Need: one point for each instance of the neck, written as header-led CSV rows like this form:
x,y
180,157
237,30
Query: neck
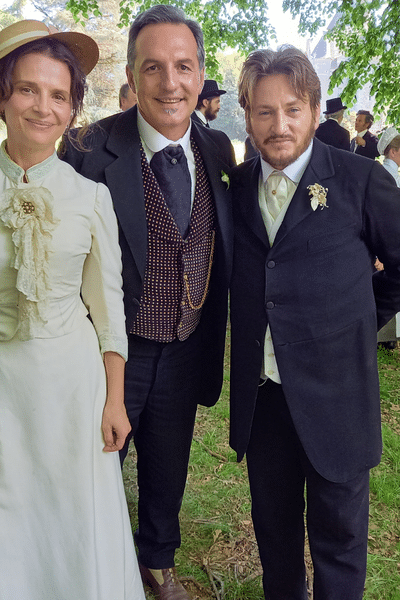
x,y
27,157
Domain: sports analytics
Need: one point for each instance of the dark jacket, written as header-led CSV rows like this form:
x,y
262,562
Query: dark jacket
x,y
370,150
330,132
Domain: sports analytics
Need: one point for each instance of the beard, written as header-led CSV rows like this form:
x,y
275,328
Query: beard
x,y
280,160
210,114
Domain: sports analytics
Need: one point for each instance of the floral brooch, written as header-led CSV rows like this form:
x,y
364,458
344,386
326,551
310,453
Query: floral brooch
x,y
225,179
318,196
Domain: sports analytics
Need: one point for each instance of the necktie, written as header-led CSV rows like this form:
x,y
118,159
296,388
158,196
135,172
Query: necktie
x,y
172,173
276,189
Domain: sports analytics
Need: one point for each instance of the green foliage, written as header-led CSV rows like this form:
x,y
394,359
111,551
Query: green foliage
x,y
367,34
241,24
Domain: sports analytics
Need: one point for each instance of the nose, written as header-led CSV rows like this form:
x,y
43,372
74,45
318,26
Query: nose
x,y
169,78
280,123
42,104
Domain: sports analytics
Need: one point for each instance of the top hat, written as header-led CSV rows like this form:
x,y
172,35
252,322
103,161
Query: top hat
x,y
333,106
210,90
18,34
387,136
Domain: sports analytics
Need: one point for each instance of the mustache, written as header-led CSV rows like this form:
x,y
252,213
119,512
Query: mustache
x,y
279,138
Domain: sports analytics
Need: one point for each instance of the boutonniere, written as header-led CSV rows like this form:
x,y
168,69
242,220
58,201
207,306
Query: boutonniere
x,y
318,196
225,179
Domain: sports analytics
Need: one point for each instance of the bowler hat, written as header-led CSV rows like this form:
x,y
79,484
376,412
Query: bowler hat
x,y
18,34
333,105
210,90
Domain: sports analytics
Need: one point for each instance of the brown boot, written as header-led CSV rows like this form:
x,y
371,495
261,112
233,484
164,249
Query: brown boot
x,y
164,583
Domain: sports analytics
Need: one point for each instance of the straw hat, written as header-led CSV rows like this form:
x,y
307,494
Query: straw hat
x,y
21,33
387,136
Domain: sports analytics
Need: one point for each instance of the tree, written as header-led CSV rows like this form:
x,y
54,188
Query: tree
x,y
241,24
367,33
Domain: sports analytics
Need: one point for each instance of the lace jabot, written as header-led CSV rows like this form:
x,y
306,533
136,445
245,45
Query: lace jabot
x,y
28,211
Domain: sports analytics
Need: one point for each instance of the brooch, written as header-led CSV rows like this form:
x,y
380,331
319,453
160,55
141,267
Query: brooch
x,y
318,196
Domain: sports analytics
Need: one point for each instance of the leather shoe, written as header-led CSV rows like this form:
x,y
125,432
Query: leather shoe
x,y
164,583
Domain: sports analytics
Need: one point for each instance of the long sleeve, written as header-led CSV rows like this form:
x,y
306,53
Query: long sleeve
x,y
102,281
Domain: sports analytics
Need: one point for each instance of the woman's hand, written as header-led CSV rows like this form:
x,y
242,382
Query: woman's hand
x,y
115,426
115,423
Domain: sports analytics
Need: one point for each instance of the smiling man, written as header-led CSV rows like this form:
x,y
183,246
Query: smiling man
x,y
304,314
167,180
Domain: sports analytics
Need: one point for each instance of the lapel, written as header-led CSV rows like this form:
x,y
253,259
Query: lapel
x,y
318,170
247,198
125,182
214,165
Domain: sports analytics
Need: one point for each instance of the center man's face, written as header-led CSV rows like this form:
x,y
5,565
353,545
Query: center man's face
x,y
166,77
280,123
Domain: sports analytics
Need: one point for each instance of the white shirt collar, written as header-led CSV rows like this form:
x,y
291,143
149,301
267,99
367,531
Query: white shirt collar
x,y
294,171
201,116
155,141
362,133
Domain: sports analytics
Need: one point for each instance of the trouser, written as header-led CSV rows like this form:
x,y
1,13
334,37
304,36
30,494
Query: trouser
x,y
160,380
337,513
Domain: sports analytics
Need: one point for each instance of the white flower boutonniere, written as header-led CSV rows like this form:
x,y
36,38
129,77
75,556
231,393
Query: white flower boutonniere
x,y
318,196
225,179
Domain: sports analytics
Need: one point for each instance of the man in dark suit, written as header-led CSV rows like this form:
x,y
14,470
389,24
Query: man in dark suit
x,y
365,143
176,241
208,103
304,314
331,132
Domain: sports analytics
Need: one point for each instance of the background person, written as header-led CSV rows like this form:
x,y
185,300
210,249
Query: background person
x,y
64,524
365,143
176,240
331,131
305,403
127,98
208,104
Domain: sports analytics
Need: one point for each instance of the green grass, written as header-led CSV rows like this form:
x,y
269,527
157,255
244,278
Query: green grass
x,y
218,557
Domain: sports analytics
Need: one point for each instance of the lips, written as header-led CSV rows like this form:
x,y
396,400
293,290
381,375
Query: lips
x,y
41,124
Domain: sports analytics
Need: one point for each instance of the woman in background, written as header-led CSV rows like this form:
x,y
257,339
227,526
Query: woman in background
x,y
64,525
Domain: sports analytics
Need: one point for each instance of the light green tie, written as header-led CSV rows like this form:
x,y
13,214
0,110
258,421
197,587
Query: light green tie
x,y
276,189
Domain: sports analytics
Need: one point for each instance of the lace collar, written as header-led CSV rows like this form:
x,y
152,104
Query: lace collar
x,y
16,174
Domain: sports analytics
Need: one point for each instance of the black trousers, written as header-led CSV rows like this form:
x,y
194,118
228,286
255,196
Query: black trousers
x,y
337,513
160,385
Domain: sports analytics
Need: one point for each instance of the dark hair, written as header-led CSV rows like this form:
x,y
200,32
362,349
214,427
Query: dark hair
x,y
288,61
54,49
369,119
164,14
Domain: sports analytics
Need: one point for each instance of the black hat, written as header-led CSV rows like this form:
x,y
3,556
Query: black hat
x,y
333,106
210,90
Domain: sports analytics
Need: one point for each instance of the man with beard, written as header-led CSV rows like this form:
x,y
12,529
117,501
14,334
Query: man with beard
x,y
304,312
208,104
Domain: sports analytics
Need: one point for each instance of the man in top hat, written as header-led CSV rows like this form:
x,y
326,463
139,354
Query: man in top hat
x,y
365,143
331,131
208,104
168,178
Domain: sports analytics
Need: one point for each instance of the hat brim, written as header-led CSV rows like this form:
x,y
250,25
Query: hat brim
x,y
19,34
212,95
330,112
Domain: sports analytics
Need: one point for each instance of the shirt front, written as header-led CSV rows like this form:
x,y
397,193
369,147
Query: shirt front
x,y
153,141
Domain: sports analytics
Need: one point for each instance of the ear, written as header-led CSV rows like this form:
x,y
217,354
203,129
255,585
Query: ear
x,y
316,117
131,81
201,80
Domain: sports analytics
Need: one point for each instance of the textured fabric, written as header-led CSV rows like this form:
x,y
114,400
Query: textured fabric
x,y
173,265
64,525
276,190
171,170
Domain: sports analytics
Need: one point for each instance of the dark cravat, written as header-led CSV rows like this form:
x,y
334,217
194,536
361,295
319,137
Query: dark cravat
x,y
172,173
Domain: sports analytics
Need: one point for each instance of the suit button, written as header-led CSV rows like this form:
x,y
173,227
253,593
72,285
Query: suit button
x,y
271,264
270,305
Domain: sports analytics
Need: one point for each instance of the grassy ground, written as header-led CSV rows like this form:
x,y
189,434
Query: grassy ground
x,y
218,557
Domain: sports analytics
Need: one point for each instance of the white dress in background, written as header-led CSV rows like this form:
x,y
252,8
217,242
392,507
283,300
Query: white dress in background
x,y
64,527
